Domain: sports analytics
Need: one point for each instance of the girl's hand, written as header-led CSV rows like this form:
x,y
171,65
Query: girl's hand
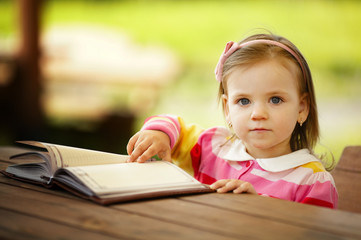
x,y
235,185
147,143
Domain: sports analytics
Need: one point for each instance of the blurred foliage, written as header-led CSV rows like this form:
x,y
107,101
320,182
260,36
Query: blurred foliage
x,y
327,33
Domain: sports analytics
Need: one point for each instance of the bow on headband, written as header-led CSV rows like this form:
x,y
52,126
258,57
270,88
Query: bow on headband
x,y
231,47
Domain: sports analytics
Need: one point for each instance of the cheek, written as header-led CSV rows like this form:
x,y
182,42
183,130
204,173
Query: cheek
x,y
239,120
236,115
240,131
286,122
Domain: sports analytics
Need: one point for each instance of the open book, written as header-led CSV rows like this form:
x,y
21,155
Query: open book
x,y
101,177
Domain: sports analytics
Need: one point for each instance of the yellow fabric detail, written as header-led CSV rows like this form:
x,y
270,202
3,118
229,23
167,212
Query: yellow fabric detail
x,y
315,166
188,137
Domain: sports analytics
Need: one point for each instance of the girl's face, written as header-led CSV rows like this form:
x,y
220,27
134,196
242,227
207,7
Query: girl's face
x,y
264,104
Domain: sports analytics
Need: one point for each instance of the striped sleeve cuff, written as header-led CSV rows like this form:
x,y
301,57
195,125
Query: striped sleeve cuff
x,y
165,123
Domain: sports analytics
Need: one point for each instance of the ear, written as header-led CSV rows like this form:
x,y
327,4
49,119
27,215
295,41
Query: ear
x,y
225,108
304,108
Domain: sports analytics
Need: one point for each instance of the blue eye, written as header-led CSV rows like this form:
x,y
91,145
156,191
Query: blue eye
x,y
275,100
244,101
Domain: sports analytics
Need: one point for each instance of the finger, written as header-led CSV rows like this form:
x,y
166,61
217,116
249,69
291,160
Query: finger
x,y
229,186
245,187
139,148
147,154
131,143
219,184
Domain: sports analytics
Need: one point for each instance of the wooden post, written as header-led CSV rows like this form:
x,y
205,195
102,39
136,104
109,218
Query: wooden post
x,y
30,115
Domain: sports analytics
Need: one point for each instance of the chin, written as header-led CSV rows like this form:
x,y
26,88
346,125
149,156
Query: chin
x,y
262,146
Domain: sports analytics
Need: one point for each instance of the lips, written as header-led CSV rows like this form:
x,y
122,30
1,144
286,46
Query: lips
x,y
260,130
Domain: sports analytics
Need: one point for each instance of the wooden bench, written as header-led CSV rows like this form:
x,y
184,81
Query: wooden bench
x,y
347,176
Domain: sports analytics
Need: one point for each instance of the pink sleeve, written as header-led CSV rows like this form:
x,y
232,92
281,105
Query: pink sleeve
x,y
322,194
166,123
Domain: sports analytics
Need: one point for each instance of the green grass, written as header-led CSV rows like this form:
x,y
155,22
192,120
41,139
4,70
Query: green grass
x,y
327,32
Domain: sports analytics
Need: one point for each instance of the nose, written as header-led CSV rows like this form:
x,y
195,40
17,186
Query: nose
x,y
259,112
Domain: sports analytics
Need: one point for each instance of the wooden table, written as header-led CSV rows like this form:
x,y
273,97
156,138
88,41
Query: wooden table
x,y
33,212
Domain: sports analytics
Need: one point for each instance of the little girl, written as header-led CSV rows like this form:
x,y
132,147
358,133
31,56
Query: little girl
x,y
268,100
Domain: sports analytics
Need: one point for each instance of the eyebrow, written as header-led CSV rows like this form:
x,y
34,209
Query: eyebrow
x,y
275,92
278,92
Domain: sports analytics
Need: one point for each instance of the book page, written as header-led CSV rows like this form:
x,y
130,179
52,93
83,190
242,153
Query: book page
x,y
104,179
71,157
31,171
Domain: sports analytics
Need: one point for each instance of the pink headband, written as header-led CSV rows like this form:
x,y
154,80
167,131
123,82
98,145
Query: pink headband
x,y
231,47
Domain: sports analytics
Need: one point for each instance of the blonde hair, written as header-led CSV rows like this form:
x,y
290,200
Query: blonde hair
x,y
305,136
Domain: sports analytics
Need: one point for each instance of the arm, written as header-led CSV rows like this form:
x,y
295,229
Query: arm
x,y
318,188
169,138
322,194
157,136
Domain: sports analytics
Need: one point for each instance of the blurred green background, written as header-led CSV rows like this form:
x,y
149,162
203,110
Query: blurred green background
x,y
327,33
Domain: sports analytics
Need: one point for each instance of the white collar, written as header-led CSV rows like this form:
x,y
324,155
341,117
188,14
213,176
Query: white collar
x,y
236,151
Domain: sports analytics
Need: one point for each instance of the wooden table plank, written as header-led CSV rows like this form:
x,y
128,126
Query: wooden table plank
x,y
15,225
318,218
223,221
206,216
37,188
88,216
